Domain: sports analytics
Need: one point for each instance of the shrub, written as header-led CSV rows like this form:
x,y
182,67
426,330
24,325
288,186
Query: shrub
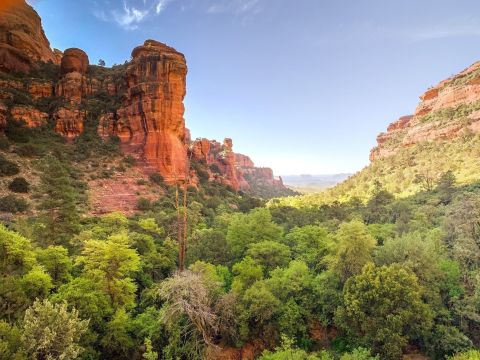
x,y
359,354
13,204
4,143
156,178
144,204
17,132
129,160
19,185
8,168
203,176
28,150
215,169
469,355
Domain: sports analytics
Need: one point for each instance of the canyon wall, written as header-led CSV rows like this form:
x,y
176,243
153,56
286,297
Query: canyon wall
x,y
22,39
140,103
151,119
446,111
233,169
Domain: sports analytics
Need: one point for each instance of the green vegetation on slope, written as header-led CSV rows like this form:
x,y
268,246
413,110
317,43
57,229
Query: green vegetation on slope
x,y
270,279
411,170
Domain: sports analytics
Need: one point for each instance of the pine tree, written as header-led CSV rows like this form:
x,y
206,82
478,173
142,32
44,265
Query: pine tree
x,y
59,219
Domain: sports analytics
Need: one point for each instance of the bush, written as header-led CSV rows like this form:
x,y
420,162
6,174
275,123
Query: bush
x,y
448,340
8,168
215,169
28,150
4,143
13,204
359,354
17,132
156,178
129,160
144,204
469,355
19,185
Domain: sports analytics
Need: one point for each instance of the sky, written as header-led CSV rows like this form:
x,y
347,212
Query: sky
x,y
302,86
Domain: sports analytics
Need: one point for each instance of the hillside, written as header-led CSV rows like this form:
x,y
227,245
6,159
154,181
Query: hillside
x,y
442,135
129,114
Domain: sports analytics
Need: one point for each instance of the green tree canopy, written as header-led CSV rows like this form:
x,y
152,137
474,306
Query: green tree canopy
x,y
384,307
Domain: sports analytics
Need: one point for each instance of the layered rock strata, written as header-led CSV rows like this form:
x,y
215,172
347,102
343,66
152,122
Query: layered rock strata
x,y
22,39
446,111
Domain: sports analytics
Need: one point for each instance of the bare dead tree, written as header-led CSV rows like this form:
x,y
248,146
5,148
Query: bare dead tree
x,y
181,257
186,294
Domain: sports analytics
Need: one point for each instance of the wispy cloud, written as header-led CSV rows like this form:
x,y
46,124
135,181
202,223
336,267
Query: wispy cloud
x,y
131,13
129,17
443,32
233,6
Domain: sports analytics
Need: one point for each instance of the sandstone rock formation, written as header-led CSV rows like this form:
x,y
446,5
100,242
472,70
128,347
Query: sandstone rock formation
x,y
74,60
69,122
151,119
40,89
30,116
253,177
72,86
22,39
73,68
243,161
145,97
235,170
201,150
446,111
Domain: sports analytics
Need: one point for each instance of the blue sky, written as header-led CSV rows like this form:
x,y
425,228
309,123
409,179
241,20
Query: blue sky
x,y
302,86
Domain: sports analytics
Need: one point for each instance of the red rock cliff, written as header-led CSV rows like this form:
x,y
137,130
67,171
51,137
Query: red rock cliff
x,y
22,39
446,111
151,121
233,169
149,117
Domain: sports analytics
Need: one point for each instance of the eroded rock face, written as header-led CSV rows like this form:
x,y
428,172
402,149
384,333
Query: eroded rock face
x,y
30,116
151,122
250,176
221,155
73,82
201,149
73,85
243,161
235,170
446,111
69,122
39,89
74,60
22,39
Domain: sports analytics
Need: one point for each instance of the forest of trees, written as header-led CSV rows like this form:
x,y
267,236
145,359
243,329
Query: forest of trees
x,y
375,276
354,280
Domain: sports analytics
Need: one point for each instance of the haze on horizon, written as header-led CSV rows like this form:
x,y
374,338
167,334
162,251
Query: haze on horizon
x,y
301,86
